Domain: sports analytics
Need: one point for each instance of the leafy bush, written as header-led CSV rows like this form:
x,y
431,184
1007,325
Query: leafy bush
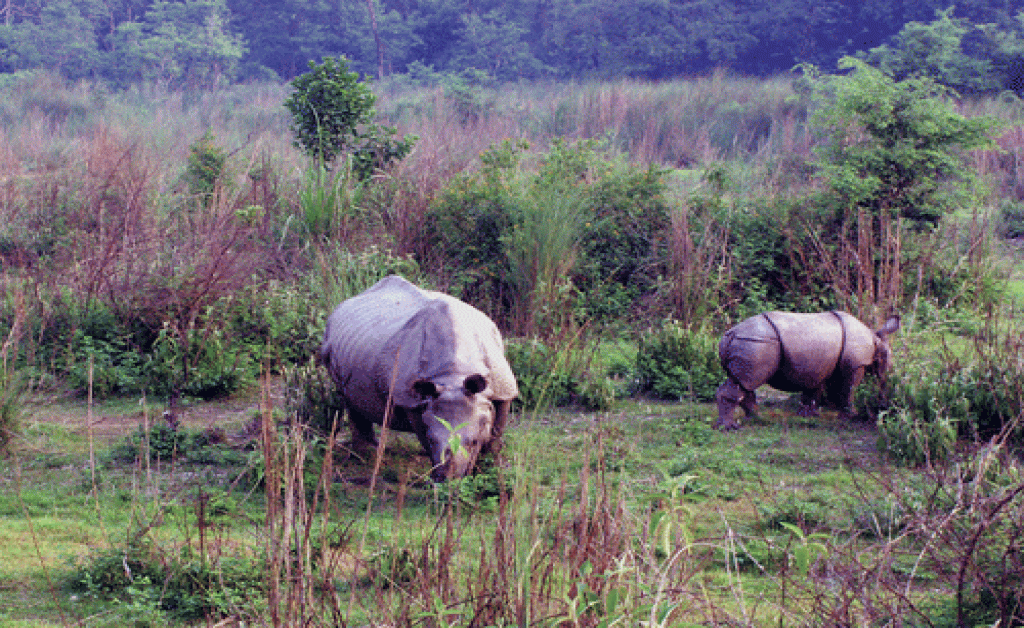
x,y
675,362
485,487
895,147
207,363
204,172
1010,217
807,512
625,239
313,399
468,224
977,396
936,50
556,376
177,584
583,234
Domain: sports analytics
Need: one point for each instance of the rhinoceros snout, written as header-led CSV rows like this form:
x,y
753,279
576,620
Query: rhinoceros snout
x,y
452,466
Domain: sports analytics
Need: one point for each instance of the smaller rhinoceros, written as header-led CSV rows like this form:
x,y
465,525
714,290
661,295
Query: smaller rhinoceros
x,y
814,354
440,361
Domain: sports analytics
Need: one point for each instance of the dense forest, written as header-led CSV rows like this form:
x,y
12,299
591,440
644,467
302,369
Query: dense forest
x,y
973,46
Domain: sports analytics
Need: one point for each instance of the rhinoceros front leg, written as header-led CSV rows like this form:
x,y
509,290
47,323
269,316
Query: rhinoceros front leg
x,y
363,436
844,393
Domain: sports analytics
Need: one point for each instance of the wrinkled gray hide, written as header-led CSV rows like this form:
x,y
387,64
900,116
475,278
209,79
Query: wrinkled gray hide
x,y
445,358
824,354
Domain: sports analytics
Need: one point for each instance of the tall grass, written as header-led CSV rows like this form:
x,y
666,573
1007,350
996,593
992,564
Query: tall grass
x,y
542,253
682,123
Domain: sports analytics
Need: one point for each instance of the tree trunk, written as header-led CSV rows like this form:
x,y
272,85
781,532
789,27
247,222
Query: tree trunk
x,y
376,39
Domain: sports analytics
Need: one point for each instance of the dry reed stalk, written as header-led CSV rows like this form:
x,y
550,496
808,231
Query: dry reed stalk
x,y
699,270
14,335
377,462
276,555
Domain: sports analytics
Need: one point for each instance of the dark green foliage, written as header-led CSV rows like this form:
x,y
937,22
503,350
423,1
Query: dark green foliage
x,y
328,105
205,363
808,512
753,554
675,362
162,443
485,487
1010,219
313,398
108,573
221,353
467,225
199,44
936,50
768,275
582,223
332,114
278,324
625,237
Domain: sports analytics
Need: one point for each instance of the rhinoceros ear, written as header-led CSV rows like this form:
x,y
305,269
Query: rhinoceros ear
x,y
474,384
426,388
891,326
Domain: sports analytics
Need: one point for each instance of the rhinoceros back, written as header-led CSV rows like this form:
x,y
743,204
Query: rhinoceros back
x,y
397,332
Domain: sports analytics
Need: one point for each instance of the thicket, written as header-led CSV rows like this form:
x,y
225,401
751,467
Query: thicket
x,y
188,256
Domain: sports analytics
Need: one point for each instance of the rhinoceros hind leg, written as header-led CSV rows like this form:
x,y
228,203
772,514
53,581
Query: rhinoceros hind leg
x,y
809,403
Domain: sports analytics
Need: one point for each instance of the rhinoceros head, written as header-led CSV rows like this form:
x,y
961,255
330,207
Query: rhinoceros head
x,y
455,422
880,364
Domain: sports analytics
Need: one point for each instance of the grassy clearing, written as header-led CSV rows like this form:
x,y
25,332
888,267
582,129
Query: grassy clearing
x,y
695,520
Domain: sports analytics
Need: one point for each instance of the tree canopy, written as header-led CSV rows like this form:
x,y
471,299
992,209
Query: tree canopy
x,y
975,45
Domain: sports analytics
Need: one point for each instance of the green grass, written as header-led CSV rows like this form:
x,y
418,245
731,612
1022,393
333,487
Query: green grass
x,y
616,502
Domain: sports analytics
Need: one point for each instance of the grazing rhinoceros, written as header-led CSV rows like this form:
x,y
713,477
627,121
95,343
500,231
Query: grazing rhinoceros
x,y
828,353
441,361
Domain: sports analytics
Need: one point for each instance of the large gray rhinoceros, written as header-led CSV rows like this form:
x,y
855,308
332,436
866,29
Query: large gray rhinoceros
x,y
814,354
441,361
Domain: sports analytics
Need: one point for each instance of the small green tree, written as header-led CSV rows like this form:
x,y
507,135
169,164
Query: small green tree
x,y
205,169
332,114
893,146
894,156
